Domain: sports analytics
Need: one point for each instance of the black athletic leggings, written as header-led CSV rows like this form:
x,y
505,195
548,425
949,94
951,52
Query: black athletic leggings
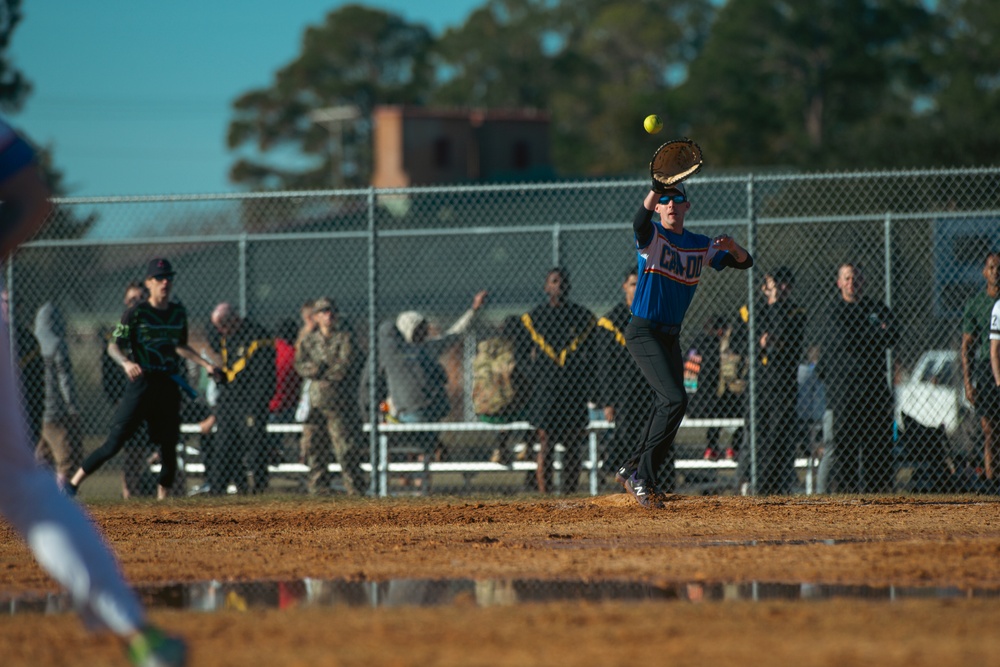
x,y
152,398
657,352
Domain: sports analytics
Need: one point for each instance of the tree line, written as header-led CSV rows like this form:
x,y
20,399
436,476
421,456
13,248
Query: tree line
x,y
760,84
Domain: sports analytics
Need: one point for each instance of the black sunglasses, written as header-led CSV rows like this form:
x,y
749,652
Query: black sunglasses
x,y
677,199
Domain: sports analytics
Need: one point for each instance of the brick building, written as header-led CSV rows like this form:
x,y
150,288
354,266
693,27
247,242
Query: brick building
x,y
419,146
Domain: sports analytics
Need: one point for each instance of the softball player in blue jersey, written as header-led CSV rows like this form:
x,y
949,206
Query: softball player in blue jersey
x,y
671,261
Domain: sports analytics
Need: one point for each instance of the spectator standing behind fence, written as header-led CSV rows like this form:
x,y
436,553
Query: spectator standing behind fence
x,y
325,357
977,373
627,398
31,368
287,383
155,333
810,404
415,381
499,391
712,398
61,442
59,534
670,260
780,340
245,352
562,351
852,366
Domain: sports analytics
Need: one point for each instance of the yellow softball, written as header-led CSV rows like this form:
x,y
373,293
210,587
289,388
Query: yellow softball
x,y
653,124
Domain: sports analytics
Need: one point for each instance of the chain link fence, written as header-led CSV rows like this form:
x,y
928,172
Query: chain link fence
x,y
811,395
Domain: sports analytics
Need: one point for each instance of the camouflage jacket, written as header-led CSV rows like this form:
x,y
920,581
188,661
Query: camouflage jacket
x,y
325,361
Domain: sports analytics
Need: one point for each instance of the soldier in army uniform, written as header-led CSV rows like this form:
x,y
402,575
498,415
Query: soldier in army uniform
x,y
324,357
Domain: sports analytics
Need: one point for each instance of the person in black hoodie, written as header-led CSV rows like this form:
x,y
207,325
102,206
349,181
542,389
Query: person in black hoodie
x,y
858,332
246,355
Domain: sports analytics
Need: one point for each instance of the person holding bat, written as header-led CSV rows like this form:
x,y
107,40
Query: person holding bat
x,y
155,332
670,263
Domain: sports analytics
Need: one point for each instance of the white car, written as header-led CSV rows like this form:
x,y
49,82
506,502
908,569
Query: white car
x,y
933,395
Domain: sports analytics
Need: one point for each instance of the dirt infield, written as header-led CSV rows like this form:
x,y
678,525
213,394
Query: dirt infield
x,y
940,542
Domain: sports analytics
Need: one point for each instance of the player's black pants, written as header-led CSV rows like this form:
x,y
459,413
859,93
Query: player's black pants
x,y
155,399
657,352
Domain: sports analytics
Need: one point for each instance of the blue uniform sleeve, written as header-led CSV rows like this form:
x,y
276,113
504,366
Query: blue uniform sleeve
x,y
15,152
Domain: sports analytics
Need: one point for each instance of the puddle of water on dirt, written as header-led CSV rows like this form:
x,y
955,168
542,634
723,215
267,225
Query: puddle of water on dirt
x,y
211,596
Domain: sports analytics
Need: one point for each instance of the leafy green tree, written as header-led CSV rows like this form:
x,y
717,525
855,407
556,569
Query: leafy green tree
x,y
959,125
787,83
497,59
598,67
14,87
358,57
621,62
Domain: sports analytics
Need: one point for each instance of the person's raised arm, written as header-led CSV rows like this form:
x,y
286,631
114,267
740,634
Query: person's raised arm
x,y
642,224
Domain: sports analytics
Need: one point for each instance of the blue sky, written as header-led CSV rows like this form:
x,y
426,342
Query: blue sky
x,y
134,95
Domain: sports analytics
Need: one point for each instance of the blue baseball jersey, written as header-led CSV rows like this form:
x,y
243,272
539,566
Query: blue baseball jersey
x,y
670,267
15,152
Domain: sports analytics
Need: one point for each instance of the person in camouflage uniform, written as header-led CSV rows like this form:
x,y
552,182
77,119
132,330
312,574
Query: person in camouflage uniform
x,y
324,357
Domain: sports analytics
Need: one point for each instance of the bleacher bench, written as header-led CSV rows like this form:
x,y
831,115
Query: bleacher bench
x,y
471,468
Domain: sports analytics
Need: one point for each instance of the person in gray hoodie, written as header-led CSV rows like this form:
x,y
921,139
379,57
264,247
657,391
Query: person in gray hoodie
x,y
61,442
410,356
416,382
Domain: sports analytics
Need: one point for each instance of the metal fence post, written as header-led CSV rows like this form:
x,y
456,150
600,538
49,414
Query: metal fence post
x,y
242,269
556,250
888,288
751,428
377,482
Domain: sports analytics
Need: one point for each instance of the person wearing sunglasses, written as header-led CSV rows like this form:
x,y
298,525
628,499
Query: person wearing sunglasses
x,y
670,263
155,332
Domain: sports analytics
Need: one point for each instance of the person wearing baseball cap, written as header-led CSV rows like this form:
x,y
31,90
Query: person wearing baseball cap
x,y
324,358
155,333
670,264
159,268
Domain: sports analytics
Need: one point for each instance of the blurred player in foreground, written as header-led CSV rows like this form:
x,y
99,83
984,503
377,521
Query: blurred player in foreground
x,y
671,260
56,530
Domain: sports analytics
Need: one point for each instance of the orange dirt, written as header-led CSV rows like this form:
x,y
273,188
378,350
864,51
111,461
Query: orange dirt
x,y
900,541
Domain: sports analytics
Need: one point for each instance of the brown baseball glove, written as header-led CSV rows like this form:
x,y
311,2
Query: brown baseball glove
x,y
673,162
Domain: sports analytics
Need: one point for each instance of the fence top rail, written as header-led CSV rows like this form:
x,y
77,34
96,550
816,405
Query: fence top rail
x,y
507,187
